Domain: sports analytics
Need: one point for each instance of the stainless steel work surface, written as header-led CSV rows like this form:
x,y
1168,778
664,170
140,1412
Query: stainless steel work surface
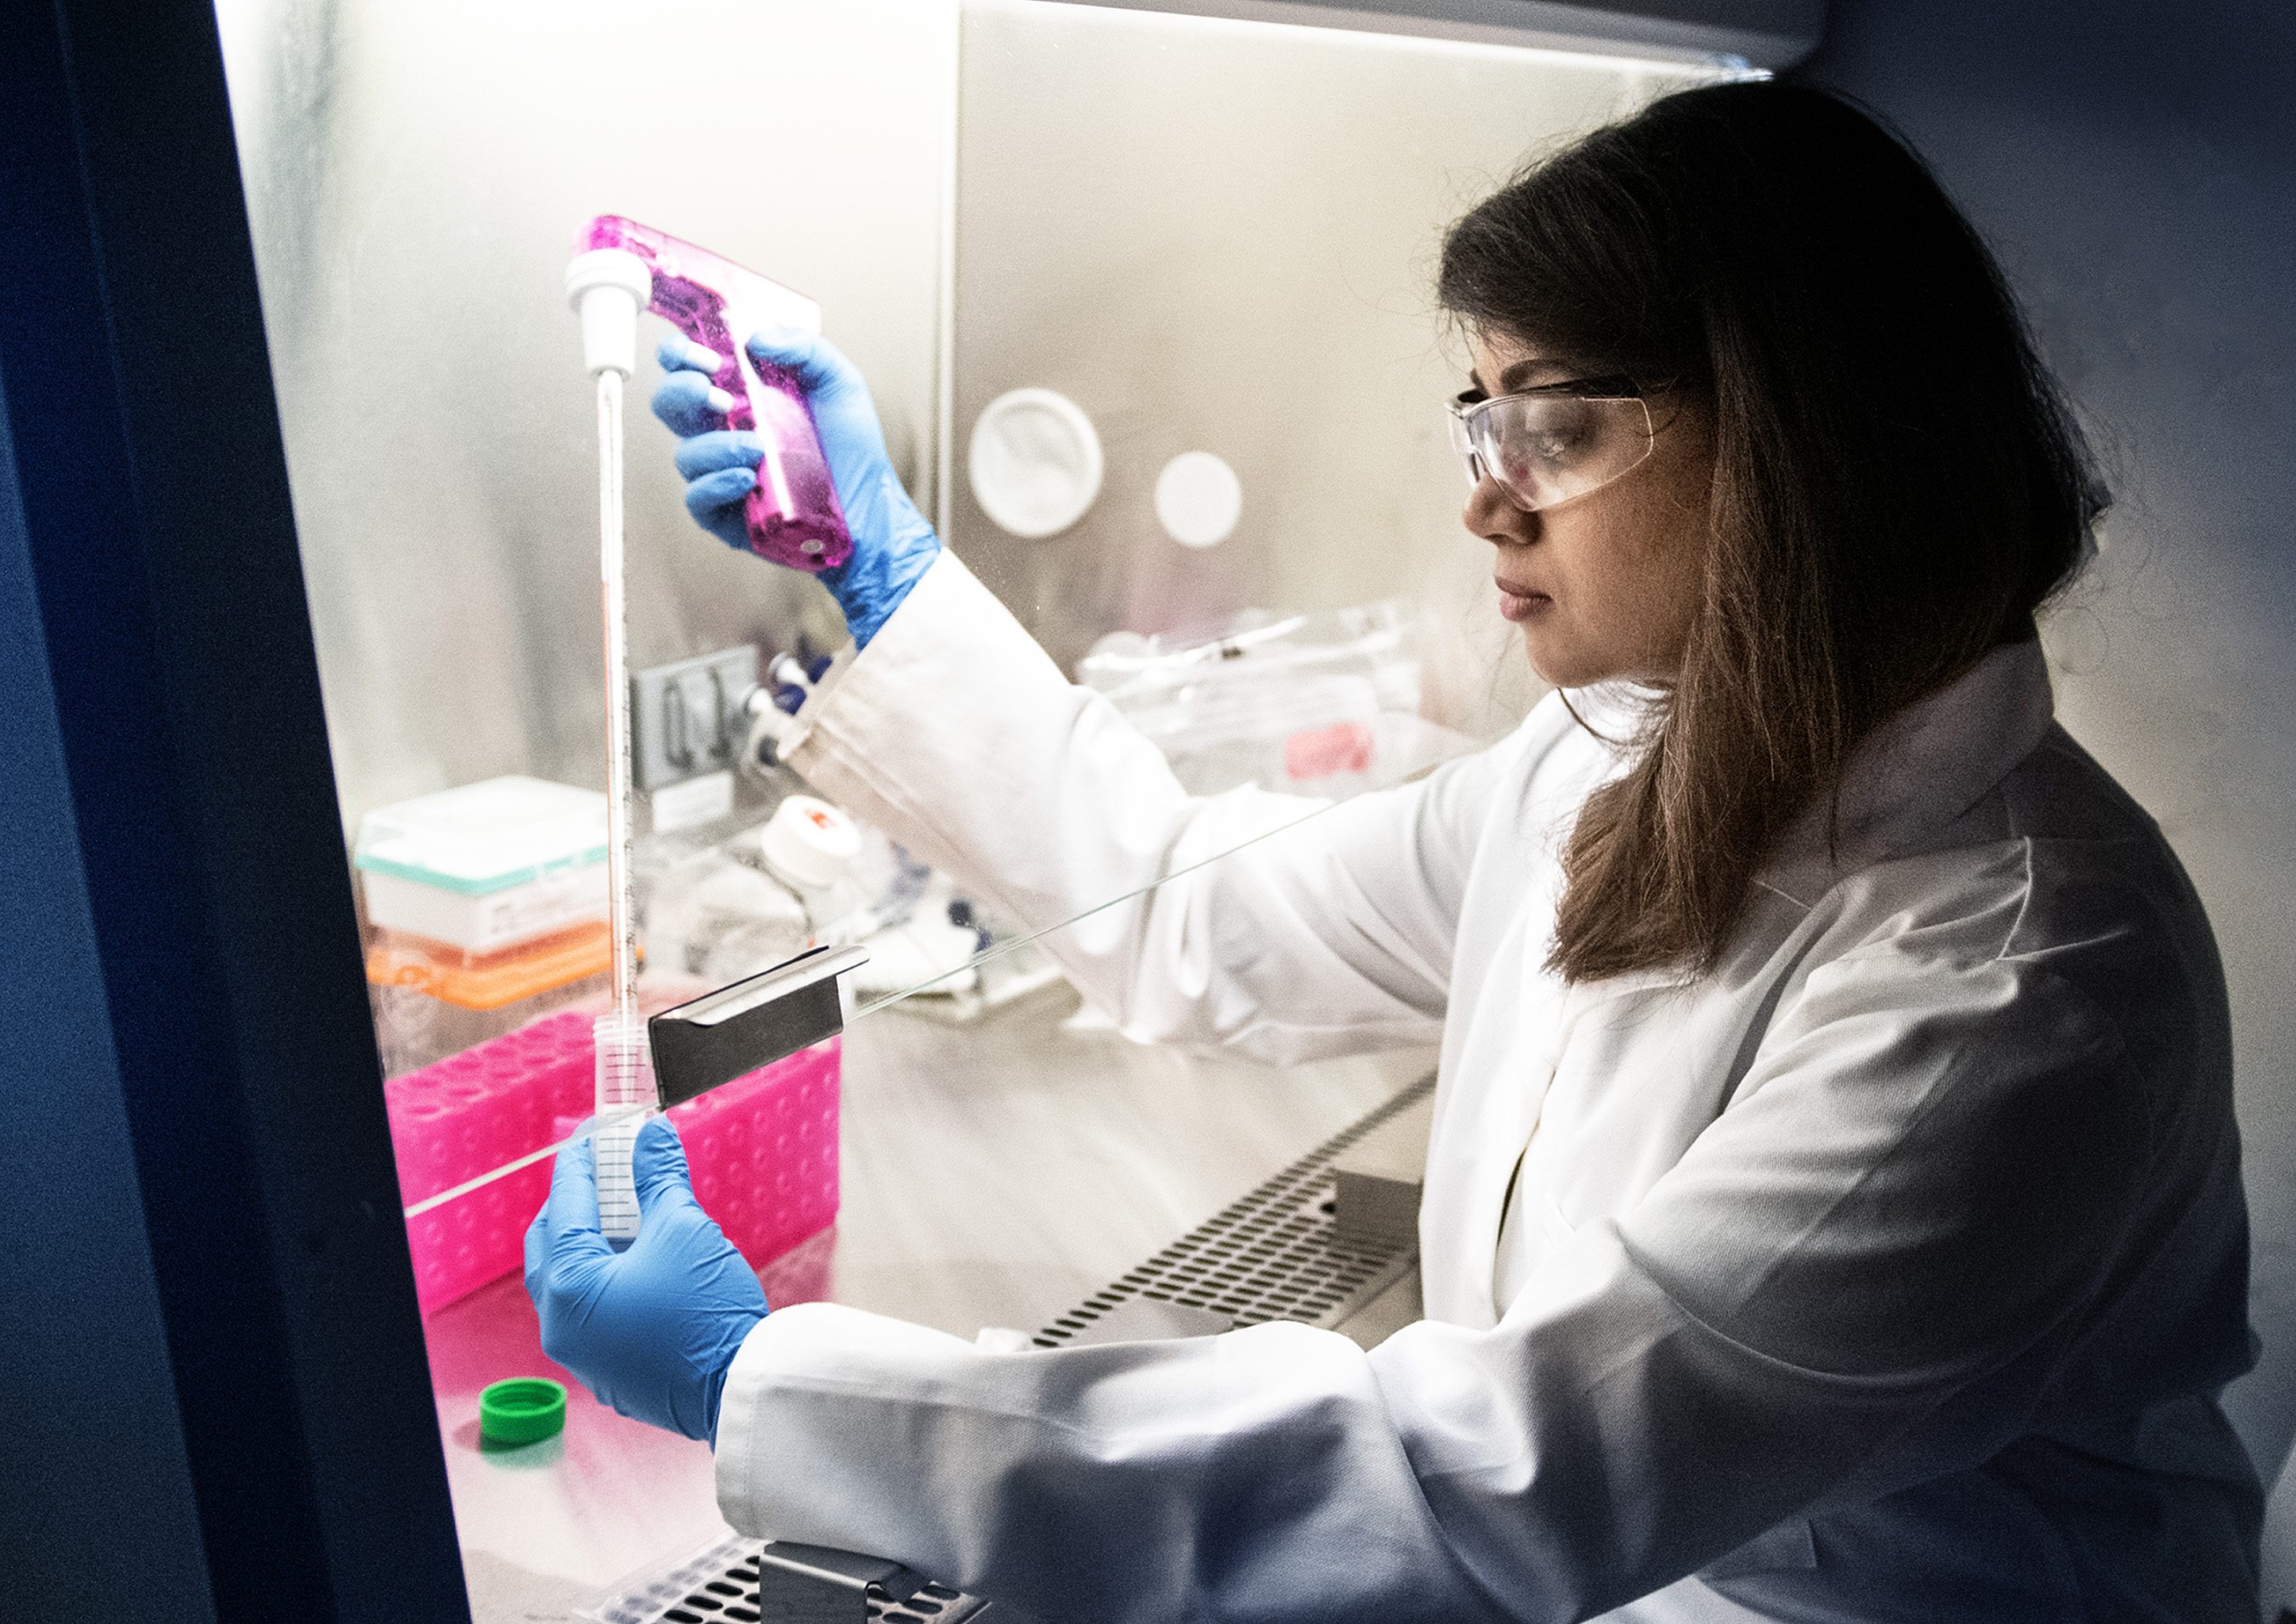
x,y
993,1175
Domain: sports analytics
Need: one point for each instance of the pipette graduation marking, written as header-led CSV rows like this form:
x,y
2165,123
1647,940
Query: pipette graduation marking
x,y
623,1095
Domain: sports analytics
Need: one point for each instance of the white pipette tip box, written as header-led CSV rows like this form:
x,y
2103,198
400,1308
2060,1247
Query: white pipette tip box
x,y
486,866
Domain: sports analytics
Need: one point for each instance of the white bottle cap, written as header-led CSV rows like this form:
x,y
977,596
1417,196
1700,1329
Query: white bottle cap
x,y
1198,499
608,287
809,841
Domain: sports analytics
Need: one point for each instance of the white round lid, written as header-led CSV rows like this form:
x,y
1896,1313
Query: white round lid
x,y
809,841
1198,499
1034,462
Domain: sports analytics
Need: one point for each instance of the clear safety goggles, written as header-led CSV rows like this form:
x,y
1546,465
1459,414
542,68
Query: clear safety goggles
x,y
1549,444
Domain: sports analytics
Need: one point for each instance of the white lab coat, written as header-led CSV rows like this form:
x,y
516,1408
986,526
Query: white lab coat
x,y
1889,1271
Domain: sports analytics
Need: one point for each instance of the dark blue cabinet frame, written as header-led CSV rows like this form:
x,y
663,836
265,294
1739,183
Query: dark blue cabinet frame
x,y
217,1403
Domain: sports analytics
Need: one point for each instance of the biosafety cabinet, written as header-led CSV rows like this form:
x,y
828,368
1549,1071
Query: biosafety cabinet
x,y
313,784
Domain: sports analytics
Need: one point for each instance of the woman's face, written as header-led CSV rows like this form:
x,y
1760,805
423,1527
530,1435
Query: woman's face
x,y
1605,585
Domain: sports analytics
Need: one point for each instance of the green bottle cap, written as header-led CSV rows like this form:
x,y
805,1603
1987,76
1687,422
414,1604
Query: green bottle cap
x,y
522,1410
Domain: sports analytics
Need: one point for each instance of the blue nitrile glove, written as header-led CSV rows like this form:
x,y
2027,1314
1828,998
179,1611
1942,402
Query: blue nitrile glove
x,y
892,544
653,1330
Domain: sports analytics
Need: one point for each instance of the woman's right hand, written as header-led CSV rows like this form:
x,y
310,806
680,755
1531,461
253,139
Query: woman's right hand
x,y
892,544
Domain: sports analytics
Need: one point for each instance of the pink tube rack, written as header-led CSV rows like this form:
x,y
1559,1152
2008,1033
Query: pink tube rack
x,y
762,1148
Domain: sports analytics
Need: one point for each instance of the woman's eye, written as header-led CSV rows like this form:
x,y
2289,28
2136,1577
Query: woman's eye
x,y
1545,448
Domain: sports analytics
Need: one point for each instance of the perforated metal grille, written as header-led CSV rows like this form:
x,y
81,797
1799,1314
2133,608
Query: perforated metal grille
x,y
721,1583
1272,1255
653,1598
732,1595
933,1604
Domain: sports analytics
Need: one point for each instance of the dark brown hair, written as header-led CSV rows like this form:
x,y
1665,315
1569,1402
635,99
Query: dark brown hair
x,y
1897,481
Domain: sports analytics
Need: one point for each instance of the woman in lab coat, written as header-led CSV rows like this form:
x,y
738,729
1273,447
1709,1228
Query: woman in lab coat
x,y
1833,1209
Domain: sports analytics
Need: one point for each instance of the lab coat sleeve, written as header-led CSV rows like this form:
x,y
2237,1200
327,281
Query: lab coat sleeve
x,y
1868,1264
1303,930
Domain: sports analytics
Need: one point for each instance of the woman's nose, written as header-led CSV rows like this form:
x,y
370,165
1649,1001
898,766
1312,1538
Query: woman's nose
x,y
1491,516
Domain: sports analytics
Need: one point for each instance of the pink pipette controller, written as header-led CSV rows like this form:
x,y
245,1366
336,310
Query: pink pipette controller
x,y
793,515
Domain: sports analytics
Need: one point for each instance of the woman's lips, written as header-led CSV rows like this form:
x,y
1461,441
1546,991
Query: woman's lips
x,y
1521,603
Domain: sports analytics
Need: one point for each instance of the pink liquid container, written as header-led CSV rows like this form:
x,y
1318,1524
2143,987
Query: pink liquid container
x,y
762,1150
794,517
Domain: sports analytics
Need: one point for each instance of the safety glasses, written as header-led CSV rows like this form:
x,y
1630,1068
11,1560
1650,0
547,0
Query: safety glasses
x,y
1549,444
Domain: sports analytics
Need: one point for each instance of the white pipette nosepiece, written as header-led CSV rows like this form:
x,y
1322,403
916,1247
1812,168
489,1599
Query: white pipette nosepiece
x,y
607,288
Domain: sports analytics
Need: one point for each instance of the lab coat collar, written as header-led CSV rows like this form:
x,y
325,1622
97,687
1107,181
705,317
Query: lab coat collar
x,y
1919,772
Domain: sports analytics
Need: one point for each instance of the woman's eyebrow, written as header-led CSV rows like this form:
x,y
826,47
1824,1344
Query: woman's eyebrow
x,y
1514,378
